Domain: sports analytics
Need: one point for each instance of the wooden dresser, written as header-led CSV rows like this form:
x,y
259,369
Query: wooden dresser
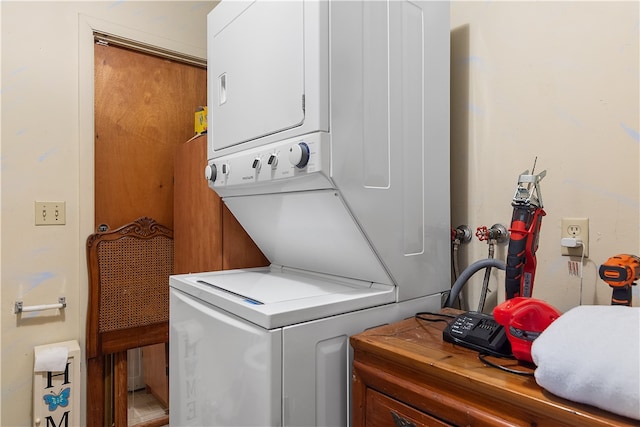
x,y
405,375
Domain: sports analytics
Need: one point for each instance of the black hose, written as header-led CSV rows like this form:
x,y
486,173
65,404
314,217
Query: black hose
x,y
466,275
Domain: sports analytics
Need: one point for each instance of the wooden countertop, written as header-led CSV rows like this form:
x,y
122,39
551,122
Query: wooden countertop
x,y
416,347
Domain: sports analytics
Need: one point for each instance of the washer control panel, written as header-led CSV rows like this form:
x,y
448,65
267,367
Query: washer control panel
x,y
294,157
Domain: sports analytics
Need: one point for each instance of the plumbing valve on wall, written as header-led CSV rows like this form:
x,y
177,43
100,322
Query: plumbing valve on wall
x,y
496,234
459,235
462,234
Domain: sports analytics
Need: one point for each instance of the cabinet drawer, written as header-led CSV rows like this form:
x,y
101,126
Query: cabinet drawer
x,y
383,411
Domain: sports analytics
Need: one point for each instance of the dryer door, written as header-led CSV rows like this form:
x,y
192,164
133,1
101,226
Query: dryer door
x,y
256,70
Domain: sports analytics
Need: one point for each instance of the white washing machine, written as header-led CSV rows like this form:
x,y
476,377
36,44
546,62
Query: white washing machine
x,y
329,142
268,347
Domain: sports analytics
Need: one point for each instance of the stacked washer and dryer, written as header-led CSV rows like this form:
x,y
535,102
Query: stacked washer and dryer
x,y
329,141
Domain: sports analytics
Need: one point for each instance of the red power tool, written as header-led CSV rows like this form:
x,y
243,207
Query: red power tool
x,y
524,320
525,229
620,272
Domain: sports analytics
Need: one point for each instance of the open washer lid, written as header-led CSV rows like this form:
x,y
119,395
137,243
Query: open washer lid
x,y
275,297
311,231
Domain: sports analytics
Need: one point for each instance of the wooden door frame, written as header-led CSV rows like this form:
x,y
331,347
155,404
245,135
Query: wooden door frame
x,y
88,26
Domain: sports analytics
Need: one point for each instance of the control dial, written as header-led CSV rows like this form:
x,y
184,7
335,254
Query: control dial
x,y
211,172
299,155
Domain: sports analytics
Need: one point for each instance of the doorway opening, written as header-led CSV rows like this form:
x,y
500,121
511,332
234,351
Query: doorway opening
x,y
145,99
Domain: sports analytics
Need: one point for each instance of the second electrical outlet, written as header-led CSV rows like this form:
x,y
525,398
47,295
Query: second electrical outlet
x,y
575,228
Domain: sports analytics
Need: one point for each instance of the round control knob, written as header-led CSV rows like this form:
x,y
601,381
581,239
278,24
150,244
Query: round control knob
x,y
299,155
210,172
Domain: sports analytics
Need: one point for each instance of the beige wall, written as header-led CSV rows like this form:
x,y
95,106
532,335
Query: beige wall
x,y
47,154
556,80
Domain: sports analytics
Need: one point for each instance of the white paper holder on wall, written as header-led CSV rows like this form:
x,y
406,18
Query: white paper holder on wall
x,y
20,308
56,384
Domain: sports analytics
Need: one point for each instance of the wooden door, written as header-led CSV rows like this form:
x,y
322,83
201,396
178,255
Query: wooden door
x,y
207,237
197,212
144,108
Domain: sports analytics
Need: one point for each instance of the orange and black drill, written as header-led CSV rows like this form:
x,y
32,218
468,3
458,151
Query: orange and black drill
x,y
621,272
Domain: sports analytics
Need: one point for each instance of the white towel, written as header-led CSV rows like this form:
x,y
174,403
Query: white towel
x,y
591,354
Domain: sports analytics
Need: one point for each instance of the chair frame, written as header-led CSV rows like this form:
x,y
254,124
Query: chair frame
x,y
100,345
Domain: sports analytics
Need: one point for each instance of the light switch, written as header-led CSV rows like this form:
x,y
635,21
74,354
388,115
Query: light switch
x,y
50,213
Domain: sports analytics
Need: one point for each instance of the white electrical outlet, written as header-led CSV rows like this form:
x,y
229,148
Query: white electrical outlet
x,y
50,213
575,228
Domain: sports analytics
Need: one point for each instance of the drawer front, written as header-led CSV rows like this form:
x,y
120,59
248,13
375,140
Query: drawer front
x,y
383,411
439,400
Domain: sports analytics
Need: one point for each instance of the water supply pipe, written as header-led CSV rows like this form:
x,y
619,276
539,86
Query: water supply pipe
x,y
461,234
466,275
